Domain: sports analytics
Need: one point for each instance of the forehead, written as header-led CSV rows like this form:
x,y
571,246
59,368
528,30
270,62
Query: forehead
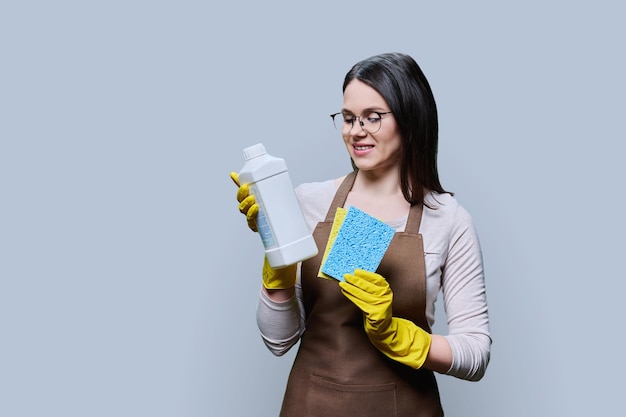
x,y
359,96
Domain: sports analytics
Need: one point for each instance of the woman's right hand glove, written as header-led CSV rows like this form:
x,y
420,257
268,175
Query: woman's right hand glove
x,y
247,203
278,279
273,279
398,338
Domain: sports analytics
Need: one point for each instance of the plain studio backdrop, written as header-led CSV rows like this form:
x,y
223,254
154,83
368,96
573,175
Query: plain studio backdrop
x,y
128,279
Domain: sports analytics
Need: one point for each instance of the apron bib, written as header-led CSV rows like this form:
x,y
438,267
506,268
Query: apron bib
x,y
337,371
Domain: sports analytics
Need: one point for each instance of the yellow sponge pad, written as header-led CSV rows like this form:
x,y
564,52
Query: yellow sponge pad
x,y
340,214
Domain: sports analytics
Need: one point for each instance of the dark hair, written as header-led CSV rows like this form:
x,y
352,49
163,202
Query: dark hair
x,y
403,85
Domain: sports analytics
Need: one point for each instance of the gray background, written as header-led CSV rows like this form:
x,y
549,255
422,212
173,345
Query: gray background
x,y
128,278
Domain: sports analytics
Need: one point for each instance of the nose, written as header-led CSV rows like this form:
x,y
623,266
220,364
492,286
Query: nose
x,y
357,128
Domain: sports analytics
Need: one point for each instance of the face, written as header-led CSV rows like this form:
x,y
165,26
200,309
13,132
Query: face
x,y
379,151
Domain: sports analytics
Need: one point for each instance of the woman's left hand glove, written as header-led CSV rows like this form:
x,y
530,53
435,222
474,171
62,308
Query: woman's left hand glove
x,y
400,339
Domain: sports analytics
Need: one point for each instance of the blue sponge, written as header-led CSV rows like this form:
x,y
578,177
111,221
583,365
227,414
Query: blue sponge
x,y
361,243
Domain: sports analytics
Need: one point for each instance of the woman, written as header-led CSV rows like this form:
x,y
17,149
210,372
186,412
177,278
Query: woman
x,y
366,347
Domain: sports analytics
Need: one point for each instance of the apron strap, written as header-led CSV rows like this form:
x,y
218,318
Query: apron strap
x,y
341,195
415,218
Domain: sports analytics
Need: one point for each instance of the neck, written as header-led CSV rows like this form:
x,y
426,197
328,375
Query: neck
x,y
379,196
381,185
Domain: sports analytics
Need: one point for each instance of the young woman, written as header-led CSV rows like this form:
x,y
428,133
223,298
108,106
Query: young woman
x,y
366,347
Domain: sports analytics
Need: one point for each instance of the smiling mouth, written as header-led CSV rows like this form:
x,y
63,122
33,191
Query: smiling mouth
x,y
362,147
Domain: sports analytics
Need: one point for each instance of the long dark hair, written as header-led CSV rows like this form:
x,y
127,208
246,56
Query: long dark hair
x,y
403,85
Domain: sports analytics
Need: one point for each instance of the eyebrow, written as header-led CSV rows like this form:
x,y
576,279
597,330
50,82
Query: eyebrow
x,y
365,110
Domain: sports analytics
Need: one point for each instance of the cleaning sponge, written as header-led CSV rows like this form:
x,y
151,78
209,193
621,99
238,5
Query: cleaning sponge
x,y
361,242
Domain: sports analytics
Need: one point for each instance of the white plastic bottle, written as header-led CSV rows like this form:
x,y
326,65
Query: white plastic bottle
x,y
280,221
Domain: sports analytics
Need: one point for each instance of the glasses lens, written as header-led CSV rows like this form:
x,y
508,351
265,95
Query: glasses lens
x,y
371,122
343,123
337,121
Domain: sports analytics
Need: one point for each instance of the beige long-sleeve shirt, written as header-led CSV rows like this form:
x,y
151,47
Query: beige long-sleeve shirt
x,y
454,268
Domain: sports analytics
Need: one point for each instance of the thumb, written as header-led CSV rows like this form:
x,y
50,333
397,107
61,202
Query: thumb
x,y
235,177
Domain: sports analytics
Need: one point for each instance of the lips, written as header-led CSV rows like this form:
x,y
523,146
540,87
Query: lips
x,y
361,150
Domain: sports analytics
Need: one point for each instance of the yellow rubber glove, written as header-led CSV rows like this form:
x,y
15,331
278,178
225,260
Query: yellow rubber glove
x,y
273,279
247,203
400,339
279,279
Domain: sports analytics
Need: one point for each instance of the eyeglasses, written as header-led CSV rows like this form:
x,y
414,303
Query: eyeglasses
x,y
370,123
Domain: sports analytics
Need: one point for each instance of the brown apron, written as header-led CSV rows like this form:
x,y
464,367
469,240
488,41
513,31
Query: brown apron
x,y
337,371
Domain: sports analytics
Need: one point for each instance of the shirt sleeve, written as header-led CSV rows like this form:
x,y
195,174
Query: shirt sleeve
x,y
282,323
465,302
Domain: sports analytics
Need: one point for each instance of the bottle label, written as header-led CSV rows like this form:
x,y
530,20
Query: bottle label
x,y
262,223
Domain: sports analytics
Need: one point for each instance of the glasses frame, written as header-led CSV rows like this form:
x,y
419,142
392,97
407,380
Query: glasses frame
x,y
379,113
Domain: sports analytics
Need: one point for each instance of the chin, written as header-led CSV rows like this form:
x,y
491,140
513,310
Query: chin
x,y
363,167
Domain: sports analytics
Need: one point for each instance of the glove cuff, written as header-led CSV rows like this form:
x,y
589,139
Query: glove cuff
x,y
402,341
279,279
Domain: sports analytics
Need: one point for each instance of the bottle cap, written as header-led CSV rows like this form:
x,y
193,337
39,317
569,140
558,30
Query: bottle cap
x,y
253,151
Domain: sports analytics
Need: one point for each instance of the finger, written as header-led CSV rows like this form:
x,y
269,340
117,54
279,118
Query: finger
x,y
252,212
371,288
361,294
246,205
371,277
376,309
251,216
252,225
355,295
235,177
243,192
